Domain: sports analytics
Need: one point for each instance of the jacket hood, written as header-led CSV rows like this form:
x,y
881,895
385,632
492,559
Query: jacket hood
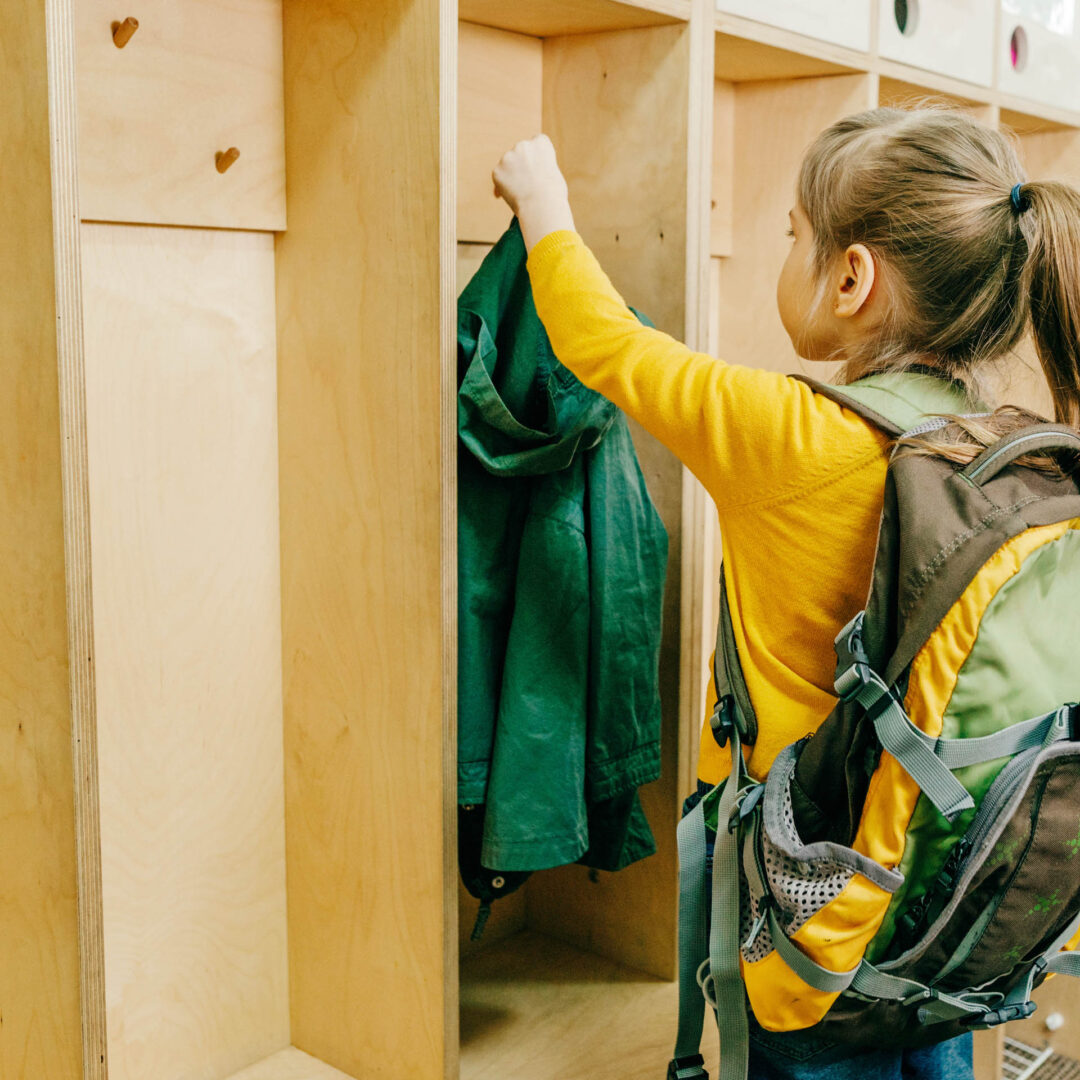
x,y
520,412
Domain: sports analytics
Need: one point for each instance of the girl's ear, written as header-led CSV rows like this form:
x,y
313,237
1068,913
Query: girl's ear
x,y
855,282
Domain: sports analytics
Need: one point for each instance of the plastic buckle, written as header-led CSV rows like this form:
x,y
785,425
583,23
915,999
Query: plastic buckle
x,y
723,721
1072,720
687,1068
852,664
1021,1010
746,802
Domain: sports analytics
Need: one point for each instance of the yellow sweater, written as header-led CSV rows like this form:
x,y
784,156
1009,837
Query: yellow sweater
x,y
797,480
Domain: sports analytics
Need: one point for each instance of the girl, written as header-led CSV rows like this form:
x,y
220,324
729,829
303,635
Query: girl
x,y
915,245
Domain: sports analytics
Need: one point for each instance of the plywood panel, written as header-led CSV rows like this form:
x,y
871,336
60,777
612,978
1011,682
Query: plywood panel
x,y
197,78
39,919
366,459
500,101
774,123
616,106
723,168
181,421
902,94
536,1007
549,18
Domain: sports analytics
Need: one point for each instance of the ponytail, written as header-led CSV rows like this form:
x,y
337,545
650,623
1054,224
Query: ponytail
x,y
1050,220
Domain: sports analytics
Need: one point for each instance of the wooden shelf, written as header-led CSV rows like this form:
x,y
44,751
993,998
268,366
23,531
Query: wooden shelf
x,y
290,1064
532,1006
554,18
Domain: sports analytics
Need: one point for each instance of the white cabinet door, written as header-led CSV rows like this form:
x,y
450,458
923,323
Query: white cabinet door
x,y
1040,51
951,37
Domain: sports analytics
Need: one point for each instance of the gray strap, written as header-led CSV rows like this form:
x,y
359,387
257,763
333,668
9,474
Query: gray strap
x,y
1065,963
915,752
693,931
938,1005
1040,731
725,974
820,978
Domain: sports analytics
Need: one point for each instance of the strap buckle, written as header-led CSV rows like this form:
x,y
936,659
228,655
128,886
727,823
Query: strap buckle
x,y
1019,1010
724,720
853,669
687,1068
746,802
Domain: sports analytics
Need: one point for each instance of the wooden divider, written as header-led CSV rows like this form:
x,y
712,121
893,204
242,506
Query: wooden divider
x,y
361,281
40,994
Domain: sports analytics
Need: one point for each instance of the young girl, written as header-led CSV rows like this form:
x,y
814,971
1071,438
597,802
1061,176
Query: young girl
x,y
915,244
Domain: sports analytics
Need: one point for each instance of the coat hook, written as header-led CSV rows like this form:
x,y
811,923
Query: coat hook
x,y
227,159
122,32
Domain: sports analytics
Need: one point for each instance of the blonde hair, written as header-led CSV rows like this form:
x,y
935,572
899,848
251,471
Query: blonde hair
x,y
970,265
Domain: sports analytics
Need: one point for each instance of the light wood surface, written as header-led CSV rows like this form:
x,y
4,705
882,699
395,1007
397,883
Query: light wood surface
x,y
616,107
986,1057
500,101
40,998
197,78
291,1064
723,168
74,467
534,1007
549,18
181,418
774,123
365,384
901,94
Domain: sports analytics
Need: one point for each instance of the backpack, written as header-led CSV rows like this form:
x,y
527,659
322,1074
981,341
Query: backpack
x,y
912,870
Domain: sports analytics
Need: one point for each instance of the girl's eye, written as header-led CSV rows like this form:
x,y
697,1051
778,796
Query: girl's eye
x,y
789,232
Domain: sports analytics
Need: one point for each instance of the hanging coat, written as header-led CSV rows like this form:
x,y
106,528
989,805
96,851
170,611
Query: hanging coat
x,y
562,560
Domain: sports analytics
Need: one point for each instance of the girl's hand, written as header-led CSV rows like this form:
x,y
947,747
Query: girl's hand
x,y
528,178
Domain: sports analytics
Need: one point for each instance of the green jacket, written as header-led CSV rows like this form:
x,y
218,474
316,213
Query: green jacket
x,y
561,564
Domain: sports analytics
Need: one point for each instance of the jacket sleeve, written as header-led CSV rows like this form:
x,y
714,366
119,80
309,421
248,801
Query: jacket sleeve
x,y
747,434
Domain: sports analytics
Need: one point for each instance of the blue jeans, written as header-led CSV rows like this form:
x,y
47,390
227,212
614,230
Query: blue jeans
x,y
799,1055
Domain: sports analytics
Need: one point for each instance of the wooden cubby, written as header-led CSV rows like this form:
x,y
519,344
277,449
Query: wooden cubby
x,y
230,542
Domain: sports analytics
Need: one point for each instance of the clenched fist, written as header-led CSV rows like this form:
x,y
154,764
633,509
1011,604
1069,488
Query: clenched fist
x,y
528,178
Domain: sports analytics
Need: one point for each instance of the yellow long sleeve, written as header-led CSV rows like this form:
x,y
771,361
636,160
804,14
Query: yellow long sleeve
x,y
797,481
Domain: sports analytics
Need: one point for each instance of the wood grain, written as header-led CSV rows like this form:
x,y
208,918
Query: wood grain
x,y
365,383
616,107
181,421
535,1007
197,78
40,999
500,101
551,18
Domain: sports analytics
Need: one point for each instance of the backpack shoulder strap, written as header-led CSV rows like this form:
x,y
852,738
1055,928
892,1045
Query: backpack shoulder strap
x,y
897,402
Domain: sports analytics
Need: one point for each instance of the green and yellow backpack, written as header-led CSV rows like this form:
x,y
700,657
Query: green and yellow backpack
x,y
912,870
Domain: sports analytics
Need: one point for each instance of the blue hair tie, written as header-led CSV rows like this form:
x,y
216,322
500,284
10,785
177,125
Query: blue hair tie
x,y
1018,204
